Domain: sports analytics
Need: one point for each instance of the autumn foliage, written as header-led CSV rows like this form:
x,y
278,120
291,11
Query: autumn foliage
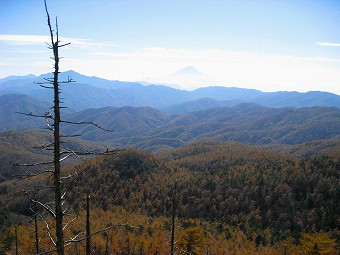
x,y
230,198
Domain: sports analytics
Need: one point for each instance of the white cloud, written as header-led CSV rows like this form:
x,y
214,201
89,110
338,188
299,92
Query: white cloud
x,y
40,39
328,44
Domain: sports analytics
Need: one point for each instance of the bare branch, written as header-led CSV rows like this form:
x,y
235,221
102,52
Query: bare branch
x,y
46,87
73,238
62,159
34,164
87,153
63,195
49,46
66,177
45,206
49,24
68,223
47,115
63,45
44,186
86,123
100,231
43,146
47,225
57,31
75,135
181,250
49,126
27,174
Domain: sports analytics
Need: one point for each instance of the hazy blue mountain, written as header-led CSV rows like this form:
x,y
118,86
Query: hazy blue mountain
x,y
197,105
12,103
296,99
14,77
17,86
188,70
92,80
224,93
93,92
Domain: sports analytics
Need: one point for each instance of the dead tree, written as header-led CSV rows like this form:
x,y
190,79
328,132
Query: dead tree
x,y
36,229
54,84
60,242
88,229
16,242
60,153
173,215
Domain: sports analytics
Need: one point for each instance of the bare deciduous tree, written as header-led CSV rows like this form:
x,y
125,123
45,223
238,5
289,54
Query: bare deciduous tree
x,y
60,153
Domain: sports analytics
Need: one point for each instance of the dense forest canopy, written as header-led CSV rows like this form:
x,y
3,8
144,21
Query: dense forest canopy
x,y
219,187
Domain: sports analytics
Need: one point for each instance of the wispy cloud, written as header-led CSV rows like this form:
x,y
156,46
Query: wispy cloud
x,y
37,39
328,44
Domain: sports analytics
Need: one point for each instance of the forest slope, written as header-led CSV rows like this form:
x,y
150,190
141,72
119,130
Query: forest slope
x,y
26,147
153,130
247,123
225,182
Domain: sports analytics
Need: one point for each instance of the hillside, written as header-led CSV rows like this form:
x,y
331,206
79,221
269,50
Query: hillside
x,y
245,123
230,183
125,122
309,149
24,147
153,130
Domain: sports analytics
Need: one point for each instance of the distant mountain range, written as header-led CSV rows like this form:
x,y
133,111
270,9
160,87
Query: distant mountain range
x,y
10,107
156,117
93,92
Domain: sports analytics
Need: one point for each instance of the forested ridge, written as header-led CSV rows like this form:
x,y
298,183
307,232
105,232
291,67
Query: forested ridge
x,y
261,200
153,130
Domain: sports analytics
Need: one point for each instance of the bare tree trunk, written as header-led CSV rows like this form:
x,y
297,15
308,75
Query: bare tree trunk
x,y
36,229
59,196
56,149
56,161
172,244
16,242
107,244
88,233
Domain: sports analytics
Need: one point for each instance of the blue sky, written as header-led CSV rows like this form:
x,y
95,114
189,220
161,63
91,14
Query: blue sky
x,y
272,45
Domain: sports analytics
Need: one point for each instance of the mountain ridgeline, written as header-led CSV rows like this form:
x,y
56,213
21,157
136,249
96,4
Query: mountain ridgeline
x,y
157,117
93,92
153,130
